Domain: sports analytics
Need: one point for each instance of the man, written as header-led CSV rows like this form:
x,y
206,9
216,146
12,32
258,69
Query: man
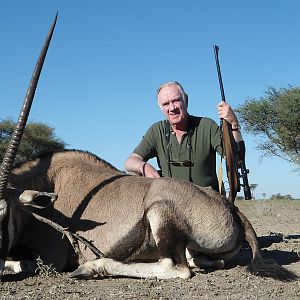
x,y
185,146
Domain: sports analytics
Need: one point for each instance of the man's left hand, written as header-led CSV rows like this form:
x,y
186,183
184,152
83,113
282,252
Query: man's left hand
x,y
225,112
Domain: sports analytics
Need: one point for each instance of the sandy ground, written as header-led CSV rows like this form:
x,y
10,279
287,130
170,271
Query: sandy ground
x,y
277,224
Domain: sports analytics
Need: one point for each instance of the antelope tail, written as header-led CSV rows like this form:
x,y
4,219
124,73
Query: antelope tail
x,y
261,266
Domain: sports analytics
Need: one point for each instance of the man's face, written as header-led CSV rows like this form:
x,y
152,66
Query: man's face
x,y
172,104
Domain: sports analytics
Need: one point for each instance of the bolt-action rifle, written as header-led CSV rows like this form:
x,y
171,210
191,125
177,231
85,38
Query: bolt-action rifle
x,y
234,152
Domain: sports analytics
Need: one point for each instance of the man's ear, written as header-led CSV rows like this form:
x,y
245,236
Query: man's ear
x,y
160,107
186,100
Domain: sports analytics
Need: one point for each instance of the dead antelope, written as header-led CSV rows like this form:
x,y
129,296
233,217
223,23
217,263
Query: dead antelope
x,y
145,227
142,225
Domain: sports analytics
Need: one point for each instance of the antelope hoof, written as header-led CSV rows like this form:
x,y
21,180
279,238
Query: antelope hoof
x,y
83,272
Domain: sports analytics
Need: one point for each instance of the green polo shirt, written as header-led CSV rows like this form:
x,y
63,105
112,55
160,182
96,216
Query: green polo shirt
x,y
205,140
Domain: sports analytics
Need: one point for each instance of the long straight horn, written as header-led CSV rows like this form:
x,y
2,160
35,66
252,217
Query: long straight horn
x,y
15,140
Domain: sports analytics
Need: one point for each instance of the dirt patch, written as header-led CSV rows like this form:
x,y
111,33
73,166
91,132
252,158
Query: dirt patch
x,y
277,224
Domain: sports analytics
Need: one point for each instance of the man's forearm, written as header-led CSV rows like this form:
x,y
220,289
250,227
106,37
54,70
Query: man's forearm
x,y
135,164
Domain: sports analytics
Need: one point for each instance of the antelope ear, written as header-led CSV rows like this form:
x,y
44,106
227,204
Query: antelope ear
x,y
37,199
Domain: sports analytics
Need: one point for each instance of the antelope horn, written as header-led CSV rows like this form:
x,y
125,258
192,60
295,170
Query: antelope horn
x,y
15,140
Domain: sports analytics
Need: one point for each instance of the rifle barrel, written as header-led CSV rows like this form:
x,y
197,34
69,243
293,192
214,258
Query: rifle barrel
x,y
216,50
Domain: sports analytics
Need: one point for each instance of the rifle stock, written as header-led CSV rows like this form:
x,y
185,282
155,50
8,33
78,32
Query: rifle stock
x,y
234,161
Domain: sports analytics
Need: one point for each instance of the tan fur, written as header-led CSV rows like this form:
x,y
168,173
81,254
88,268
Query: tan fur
x,y
129,218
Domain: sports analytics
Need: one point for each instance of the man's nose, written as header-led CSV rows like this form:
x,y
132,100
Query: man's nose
x,y
172,105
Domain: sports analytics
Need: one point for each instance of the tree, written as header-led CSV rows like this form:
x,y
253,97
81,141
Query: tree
x,y
275,119
253,186
37,138
279,196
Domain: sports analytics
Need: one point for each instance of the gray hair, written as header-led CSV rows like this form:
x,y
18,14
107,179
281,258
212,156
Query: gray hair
x,y
163,85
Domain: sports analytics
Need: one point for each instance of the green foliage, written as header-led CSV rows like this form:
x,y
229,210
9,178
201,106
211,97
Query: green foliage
x,y
279,196
275,120
37,138
253,186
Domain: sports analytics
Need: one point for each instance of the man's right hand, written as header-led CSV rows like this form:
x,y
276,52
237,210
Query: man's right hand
x,y
149,171
136,164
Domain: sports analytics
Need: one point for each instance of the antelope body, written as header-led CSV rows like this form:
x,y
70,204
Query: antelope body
x,y
142,225
128,217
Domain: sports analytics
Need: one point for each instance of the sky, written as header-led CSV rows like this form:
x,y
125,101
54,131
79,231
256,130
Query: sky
x,y
107,58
